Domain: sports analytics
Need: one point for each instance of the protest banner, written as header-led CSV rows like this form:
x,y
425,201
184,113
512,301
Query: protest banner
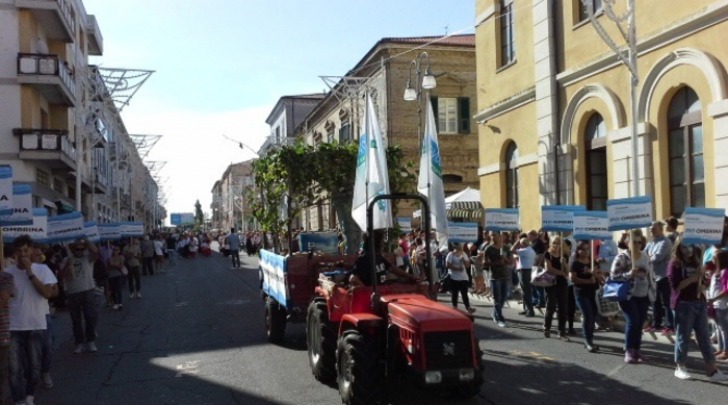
x,y
65,227
703,226
37,230
629,213
502,219
462,232
559,218
591,225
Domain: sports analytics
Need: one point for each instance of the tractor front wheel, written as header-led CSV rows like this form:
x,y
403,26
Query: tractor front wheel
x,y
359,374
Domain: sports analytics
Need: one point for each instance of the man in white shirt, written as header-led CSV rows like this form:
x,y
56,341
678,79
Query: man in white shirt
x,y
28,309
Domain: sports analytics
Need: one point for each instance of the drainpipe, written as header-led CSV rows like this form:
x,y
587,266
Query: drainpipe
x,y
555,121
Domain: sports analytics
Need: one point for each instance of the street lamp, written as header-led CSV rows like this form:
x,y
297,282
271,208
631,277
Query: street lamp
x,y
424,80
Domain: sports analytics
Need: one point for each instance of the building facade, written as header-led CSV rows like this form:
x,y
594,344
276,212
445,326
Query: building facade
x,y
59,128
555,115
386,71
230,208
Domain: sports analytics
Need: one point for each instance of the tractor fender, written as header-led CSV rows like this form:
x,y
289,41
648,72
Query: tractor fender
x,y
360,321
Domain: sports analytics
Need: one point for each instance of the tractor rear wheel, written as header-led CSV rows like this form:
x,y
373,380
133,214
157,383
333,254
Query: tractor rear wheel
x,y
275,321
360,377
321,342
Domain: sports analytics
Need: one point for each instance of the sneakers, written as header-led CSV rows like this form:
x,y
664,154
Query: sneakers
x,y
91,347
78,349
501,324
471,310
29,400
630,357
46,380
138,294
591,348
132,296
682,373
717,377
115,307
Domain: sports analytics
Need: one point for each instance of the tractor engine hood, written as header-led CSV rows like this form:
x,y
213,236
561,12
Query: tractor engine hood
x,y
420,313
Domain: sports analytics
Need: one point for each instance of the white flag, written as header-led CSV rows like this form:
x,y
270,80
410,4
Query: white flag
x,y
372,176
430,179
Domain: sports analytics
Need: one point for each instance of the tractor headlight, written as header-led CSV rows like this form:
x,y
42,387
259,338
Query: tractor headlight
x,y
466,374
433,377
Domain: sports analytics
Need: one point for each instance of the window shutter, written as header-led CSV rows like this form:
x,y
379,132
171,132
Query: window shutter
x,y
436,111
464,115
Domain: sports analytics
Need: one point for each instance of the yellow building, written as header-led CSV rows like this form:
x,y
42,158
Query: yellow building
x,y
555,117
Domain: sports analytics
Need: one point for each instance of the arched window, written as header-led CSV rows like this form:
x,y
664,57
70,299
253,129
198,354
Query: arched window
x,y
597,190
512,176
685,145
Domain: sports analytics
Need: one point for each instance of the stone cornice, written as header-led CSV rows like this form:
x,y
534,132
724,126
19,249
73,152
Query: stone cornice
x,y
504,106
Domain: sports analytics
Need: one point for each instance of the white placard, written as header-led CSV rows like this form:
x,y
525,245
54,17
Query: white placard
x,y
462,232
6,190
502,219
65,227
629,213
92,231
703,226
37,230
590,225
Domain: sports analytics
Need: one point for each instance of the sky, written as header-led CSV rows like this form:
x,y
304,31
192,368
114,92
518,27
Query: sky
x,y
220,67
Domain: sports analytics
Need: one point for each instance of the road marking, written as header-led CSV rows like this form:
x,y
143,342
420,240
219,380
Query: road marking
x,y
189,367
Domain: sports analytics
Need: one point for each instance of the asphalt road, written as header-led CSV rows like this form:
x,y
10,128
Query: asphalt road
x,y
196,337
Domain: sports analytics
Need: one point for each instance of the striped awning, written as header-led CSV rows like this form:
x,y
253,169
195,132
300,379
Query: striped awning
x,y
464,204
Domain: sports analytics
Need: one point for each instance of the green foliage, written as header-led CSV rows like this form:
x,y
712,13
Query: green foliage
x,y
298,176
199,216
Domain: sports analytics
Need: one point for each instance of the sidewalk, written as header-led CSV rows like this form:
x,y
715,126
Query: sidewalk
x,y
513,306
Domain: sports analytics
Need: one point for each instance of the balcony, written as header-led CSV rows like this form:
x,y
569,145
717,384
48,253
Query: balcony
x,y
100,183
49,75
55,16
95,40
47,145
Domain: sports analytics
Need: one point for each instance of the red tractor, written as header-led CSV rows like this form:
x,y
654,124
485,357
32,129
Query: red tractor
x,y
363,337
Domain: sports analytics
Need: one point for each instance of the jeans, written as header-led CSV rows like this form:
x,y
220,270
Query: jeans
x,y
171,257
25,354
570,307
635,315
721,319
689,316
116,285
235,256
661,306
461,287
148,266
524,280
84,315
588,306
4,368
499,289
539,296
49,340
135,279
556,296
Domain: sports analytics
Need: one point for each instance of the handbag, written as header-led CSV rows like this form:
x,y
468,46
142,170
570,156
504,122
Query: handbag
x,y
540,278
616,290
124,271
711,311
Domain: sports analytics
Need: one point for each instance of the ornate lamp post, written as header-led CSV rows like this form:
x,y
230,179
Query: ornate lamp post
x,y
424,80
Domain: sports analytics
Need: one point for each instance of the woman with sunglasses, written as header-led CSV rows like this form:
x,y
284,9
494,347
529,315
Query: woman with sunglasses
x,y
686,275
586,284
641,292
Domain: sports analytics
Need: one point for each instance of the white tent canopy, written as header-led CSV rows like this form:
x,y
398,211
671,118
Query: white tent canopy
x,y
465,204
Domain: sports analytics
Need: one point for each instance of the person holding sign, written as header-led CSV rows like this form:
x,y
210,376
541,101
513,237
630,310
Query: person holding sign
x,y
686,275
586,282
642,291
498,258
556,260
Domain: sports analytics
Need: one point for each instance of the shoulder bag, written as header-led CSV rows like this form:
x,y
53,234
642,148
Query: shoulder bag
x,y
540,278
616,290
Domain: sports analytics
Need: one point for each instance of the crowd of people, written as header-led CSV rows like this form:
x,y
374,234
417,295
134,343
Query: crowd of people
x,y
79,277
674,288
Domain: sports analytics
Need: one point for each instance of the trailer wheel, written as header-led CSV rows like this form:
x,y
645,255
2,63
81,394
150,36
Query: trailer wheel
x,y
275,321
359,374
321,342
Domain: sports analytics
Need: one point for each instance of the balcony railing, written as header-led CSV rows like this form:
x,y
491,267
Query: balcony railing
x,y
49,145
56,16
49,75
